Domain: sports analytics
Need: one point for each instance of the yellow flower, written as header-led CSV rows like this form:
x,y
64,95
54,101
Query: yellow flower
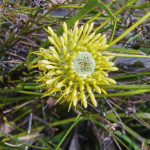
x,y
74,64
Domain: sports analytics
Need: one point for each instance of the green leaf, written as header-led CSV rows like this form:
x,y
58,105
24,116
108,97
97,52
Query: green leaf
x,y
123,50
91,4
123,93
128,140
69,130
125,55
126,86
111,116
130,29
135,76
11,36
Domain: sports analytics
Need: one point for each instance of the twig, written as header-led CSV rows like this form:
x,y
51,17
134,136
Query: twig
x,y
29,130
116,115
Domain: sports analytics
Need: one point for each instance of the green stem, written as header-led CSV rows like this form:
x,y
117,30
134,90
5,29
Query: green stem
x,y
125,55
70,6
135,76
113,32
130,29
69,130
119,11
135,92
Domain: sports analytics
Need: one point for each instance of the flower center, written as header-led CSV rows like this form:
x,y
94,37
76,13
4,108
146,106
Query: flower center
x,y
84,64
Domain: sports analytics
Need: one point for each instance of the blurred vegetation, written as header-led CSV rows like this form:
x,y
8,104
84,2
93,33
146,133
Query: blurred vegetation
x,y
122,118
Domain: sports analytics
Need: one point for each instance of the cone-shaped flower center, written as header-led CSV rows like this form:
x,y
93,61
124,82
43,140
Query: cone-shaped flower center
x,y
84,64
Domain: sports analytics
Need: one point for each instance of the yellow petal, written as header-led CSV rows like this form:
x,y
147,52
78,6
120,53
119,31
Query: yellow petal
x,y
97,36
79,33
65,27
66,92
97,88
94,102
51,67
65,37
83,97
74,95
104,73
63,45
85,29
50,31
51,40
111,80
104,91
110,68
46,54
49,93
90,28
45,62
50,81
60,84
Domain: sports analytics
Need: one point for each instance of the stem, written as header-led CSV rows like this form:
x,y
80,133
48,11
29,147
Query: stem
x,y
130,29
69,130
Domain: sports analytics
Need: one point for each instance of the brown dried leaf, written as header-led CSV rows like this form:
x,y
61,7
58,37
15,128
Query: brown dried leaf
x,y
6,128
51,101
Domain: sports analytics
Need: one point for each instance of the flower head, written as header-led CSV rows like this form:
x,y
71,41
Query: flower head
x,y
74,65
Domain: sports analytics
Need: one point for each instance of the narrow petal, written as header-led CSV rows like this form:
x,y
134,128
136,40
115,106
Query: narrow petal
x,y
74,39
74,95
60,84
63,45
79,32
50,81
50,31
111,80
45,53
65,37
90,28
49,92
83,97
97,88
51,67
51,40
83,34
65,27
66,92
104,91
86,27
110,68
96,37
94,102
